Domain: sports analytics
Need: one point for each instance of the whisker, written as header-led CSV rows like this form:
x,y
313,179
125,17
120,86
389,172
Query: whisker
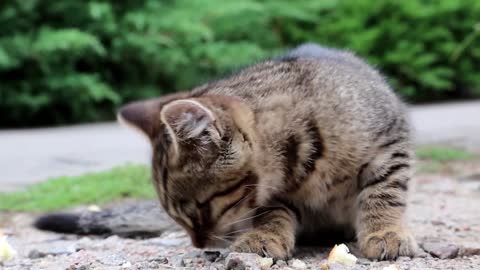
x,y
249,211
237,231
241,216
221,238
243,199
245,219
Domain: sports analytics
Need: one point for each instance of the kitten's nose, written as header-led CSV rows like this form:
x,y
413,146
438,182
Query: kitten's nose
x,y
199,241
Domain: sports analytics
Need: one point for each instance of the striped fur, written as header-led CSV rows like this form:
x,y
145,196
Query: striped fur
x,y
312,141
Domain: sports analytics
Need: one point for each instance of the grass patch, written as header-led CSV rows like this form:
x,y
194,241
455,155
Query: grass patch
x,y
129,181
133,181
430,167
443,154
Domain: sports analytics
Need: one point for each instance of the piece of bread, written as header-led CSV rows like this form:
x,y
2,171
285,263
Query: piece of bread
x,y
6,251
340,254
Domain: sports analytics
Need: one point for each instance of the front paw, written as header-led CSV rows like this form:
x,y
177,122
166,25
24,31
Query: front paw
x,y
264,244
388,244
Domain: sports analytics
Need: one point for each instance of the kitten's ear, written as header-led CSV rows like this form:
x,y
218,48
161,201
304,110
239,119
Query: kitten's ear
x,y
145,115
189,119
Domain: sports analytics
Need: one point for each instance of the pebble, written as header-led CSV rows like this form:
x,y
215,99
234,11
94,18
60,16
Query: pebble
x,y
36,254
211,256
53,248
438,223
160,260
281,263
111,259
177,261
242,261
403,259
297,264
127,265
170,242
441,250
363,261
187,262
391,267
334,266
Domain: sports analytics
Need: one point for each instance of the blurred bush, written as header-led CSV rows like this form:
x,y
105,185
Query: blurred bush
x,y
73,61
429,49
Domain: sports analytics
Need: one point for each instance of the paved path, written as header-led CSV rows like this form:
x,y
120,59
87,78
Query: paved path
x,y
456,123
29,156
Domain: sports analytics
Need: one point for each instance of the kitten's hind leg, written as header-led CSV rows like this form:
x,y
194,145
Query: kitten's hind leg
x,y
381,204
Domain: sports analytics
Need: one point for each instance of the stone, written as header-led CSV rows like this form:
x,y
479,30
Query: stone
x,y
391,267
36,254
111,259
403,259
242,261
170,242
441,250
363,261
160,260
211,255
127,265
187,262
333,266
54,248
297,264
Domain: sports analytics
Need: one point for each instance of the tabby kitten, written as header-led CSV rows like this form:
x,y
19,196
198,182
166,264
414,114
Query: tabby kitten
x,y
312,141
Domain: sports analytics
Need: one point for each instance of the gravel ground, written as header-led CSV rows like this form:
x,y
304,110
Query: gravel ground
x,y
443,214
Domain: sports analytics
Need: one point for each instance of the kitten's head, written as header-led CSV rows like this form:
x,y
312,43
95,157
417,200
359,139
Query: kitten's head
x,y
202,161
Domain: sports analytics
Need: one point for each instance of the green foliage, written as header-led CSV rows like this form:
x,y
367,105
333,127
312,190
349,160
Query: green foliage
x,y
443,154
130,181
73,61
429,49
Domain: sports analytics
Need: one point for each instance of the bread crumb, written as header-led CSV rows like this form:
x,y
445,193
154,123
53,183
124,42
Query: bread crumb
x,y
340,254
6,251
265,263
94,208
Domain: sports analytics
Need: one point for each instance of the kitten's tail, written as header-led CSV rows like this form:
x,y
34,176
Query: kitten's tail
x,y
70,223
134,219
63,223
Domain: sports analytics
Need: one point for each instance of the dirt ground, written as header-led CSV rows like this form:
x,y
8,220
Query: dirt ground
x,y
444,215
